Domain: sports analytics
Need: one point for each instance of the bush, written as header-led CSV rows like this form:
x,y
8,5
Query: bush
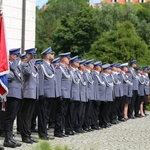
x,y
45,145
148,107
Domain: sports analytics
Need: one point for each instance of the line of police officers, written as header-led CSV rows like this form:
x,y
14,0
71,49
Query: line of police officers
x,y
87,97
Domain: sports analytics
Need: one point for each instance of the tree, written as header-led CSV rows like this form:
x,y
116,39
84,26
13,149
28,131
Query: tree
x,y
120,45
76,34
48,20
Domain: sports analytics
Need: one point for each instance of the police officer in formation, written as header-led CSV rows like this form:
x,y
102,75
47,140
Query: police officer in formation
x,y
87,96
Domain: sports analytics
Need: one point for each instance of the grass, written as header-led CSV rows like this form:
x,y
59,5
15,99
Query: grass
x,y
44,145
148,107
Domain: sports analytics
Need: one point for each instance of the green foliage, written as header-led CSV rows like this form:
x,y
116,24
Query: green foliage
x,y
47,146
121,44
148,107
76,34
110,33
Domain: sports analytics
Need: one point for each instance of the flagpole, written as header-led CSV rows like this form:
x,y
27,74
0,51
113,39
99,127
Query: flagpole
x,y
1,14
23,25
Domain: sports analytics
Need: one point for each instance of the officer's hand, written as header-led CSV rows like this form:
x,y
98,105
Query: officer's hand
x,y
41,97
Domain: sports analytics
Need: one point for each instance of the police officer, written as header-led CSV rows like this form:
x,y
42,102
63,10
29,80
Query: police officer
x,y
83,98
146,91
75,97
135,88
90,93
48,91
35,114
106,105
127,99
124,87
13,98
116,93
23,59
141,92
64,87
30,94
55,63
99,94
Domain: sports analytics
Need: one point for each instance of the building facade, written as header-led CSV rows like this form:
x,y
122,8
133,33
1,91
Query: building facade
x,y
124,1
12,12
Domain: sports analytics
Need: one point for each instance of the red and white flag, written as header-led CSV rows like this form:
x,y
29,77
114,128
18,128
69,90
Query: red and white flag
x,y
4,64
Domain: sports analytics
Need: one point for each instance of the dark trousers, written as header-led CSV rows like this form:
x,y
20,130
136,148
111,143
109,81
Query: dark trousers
x,y
19,117
44,106
96,110
71,116
35,114
133,103
109,105
88,114
137,104
145,103
12,107
114,109
103,114
80,117
52,113
27,113
61,110
2,113
121,108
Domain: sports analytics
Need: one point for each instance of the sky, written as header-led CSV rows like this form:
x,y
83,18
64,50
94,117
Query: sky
x,y
40,3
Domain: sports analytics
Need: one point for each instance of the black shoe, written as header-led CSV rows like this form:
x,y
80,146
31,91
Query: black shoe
x,y
109,124
64,135
48,137
17,143
34,130
58,135
114,122
27,140
74,132
131,117
34,140
90,129
2,134
96,128
121,119
138,116
9,143
83,131
1,148
102,126
78,131
86,129
69,133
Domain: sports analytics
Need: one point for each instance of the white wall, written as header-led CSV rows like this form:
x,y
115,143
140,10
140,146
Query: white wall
x,y
12,12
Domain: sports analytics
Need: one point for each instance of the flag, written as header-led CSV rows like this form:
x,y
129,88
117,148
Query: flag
x,y
4,68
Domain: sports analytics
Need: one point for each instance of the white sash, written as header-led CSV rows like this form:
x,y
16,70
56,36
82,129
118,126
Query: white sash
x,y
117,83
82,82
91,82
101,82
74,81
108,84
45,73
67,76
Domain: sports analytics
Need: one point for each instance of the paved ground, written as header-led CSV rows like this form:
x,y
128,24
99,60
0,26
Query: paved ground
x,y
131,135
